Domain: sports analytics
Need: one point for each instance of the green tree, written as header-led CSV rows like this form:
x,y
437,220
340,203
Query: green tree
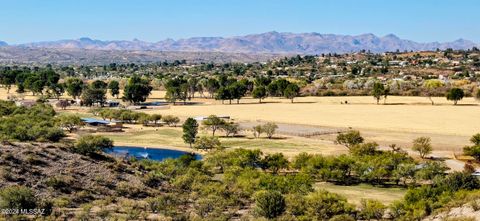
x,y
74,87
257,131
349,139
91,96
291,91
431,169
423,146
69,122
177,89
213,123
274,162
269,129
212,86
430,88
405,172
378,91
455,94
207,143
171,120
224,93
269,204
8,78
114,87
474,150
155,118
237,90
92,144
259,93
230,128
136,90
190,130
98,84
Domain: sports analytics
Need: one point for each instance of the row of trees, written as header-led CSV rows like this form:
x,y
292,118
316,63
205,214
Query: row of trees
x,y
46,81
355,142
227,88
214,123
136,90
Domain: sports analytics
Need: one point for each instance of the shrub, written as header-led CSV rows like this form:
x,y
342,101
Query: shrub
x,y
274,162
165,204
324,205
296,204
230,128
92,144
171,120
371,209
269,204
207,143
349,138
17,197
59,182
364,149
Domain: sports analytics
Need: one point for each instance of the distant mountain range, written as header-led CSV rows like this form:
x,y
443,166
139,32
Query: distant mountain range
x,y
270,42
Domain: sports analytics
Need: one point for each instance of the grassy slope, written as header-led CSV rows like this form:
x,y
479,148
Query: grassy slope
x,y
355,194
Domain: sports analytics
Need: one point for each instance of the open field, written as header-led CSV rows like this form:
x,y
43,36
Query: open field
x,y
171,137
400,121
356,193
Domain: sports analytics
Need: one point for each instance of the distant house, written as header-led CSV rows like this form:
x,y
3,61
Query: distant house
x,y
25,103
94,122
103,125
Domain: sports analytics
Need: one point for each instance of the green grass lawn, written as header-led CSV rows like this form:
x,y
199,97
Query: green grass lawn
x,y
172,137
356,193
163,137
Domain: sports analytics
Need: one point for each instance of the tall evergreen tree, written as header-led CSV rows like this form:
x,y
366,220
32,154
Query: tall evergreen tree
x,y
190,130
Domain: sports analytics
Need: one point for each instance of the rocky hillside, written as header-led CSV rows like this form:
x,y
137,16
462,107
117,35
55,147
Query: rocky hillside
x,y
69,180
270,42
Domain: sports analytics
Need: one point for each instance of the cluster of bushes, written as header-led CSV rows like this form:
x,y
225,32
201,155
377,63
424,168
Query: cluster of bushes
x,y
215,123
422,201
19,201
129,116
28,124
267,128
92,144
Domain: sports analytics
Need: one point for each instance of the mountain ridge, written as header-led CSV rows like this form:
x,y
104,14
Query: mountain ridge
x,y
269,42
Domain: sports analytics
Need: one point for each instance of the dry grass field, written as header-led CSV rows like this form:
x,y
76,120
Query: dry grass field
x,y
399,121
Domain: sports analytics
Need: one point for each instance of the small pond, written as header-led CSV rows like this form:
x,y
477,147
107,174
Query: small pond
x,y
147,153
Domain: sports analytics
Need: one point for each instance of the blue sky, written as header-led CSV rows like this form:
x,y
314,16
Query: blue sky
x,y
420,20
